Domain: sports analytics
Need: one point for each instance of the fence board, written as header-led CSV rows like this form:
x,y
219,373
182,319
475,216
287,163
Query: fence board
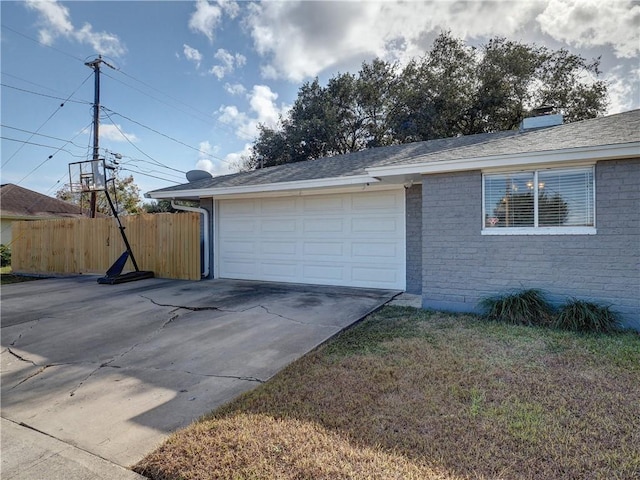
x,y
167,244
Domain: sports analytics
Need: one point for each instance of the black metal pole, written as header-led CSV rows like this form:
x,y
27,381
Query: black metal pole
x,y
121,227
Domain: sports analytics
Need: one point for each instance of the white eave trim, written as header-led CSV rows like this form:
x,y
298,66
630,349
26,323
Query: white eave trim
x,y
583,154
268,187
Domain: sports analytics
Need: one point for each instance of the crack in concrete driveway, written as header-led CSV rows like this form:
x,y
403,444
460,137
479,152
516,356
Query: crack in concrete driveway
x,y
115,369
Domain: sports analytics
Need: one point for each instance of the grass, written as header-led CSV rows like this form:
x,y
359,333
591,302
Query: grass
x,y
410,394
6,277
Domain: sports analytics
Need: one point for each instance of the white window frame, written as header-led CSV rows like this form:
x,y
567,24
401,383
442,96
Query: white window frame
x,y
536,230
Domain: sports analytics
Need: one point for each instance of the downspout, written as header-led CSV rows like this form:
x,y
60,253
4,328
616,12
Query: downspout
x,y
205,269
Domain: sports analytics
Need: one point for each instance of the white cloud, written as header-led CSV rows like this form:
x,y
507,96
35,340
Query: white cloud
x,y
230,164
299,40
592,23
207,16
192,54
55,22
263,110
235,89
229,63
115,133
624,87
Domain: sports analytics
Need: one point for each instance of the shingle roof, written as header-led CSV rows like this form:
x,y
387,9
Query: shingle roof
x,y
16,201
611,130
349,164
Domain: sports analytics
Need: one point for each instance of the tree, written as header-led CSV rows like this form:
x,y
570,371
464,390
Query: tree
x,y
454,89
160,206
124,193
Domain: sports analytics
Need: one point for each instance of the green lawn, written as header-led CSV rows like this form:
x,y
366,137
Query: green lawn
x,y
410,394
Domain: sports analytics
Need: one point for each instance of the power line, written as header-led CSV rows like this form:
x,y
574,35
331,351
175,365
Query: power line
x,y
85,102
49,157
41,135
140,160
6,74
208,120
149,175
136,147
45,122
40,43
164,135
41,145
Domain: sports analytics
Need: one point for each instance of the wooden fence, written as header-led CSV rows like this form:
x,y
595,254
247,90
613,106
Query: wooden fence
x,y
167,244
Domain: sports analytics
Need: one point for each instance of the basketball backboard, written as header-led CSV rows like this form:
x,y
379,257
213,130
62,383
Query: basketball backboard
x,y
88,176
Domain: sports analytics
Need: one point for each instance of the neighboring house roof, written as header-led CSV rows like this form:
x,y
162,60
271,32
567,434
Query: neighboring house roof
x,y
21,203
580,139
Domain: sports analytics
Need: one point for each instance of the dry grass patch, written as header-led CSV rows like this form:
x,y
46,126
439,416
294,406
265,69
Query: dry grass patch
x,y
412,394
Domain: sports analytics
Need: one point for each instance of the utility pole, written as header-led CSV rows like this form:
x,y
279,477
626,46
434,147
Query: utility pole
x,y
95,65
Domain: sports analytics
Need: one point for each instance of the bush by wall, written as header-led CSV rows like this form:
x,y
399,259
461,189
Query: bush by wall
x,y
582,316
529,307
5,256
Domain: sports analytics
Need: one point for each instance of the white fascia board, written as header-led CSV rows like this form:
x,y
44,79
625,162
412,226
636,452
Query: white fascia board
x,y
268,188
568,156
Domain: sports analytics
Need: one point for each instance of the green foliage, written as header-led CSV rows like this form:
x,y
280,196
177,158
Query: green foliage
x,y
524,307
454,89
5,256
124,193
582,316
160,206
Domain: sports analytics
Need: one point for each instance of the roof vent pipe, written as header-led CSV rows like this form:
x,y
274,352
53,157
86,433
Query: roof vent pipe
x,y
205,213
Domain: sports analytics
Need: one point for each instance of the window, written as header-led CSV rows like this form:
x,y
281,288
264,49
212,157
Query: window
x,y
540,201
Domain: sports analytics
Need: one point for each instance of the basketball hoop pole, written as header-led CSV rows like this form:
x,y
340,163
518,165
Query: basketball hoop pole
x,y
121,227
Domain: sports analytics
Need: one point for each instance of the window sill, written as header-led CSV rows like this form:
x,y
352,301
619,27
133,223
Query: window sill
x,y
539,231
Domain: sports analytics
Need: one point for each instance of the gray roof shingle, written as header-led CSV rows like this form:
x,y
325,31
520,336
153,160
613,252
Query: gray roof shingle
x,y
614,129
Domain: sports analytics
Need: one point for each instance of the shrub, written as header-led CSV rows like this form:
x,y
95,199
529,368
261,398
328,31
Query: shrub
x,y
5,256
582,316
522,307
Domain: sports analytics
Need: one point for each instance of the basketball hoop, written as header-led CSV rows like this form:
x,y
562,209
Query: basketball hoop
x,y
88,176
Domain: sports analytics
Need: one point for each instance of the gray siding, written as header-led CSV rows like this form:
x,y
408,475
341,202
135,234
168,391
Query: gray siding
x,y
413,199
460,265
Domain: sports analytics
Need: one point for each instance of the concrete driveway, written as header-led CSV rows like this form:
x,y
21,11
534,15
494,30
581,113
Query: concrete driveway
x,y
109,371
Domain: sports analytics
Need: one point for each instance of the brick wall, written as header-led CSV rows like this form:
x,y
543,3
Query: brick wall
x,y
413,199
460,266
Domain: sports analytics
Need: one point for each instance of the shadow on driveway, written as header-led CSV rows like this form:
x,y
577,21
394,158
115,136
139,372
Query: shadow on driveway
x,y
113,369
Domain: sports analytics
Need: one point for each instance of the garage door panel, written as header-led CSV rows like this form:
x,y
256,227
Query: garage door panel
x,y
323,224
232,268
239,207
323,249
374,201
238,226
376,274
278,226
277,206
323,204
374,251
278,248
238,247
374,225
354,239
282,270
324,273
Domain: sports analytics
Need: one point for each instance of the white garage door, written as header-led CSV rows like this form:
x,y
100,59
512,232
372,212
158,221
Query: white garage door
x,y
351,239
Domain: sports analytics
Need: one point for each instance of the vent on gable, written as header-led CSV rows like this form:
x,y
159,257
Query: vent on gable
x,y
542,117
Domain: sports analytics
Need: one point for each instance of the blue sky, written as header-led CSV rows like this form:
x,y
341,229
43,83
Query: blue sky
x,y
194,79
